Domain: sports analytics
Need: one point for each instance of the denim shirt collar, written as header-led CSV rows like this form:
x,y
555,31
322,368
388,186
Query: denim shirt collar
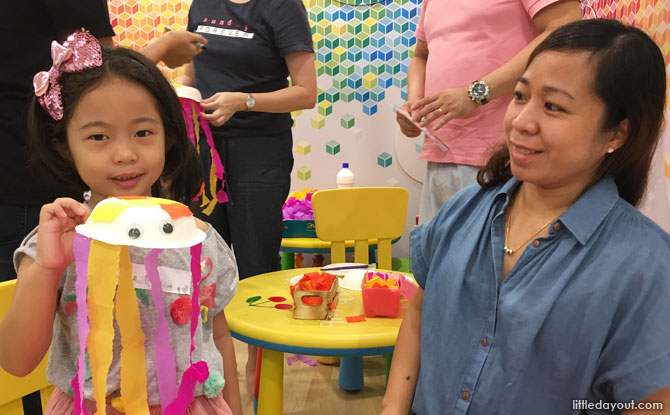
x,y
586,214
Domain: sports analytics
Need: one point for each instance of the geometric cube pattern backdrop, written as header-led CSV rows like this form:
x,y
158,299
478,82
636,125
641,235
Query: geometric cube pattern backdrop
x,y
361,57
652,16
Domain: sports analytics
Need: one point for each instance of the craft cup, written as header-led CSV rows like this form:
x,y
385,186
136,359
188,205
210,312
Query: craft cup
x,y
315,305
380,302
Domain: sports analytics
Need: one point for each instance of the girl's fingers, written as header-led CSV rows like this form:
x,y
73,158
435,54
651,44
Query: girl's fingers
x,y
72,207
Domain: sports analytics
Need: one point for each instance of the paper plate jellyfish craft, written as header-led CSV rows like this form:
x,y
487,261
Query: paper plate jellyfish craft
x,y
105,290
200,135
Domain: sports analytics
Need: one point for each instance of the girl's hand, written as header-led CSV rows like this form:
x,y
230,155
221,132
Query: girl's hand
x,y
223,105
406,126
55,234
445,106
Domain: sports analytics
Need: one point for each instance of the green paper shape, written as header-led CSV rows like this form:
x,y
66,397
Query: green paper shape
x,y
143,295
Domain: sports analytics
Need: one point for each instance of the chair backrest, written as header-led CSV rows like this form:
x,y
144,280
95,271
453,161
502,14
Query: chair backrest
x,y
12,388
360,214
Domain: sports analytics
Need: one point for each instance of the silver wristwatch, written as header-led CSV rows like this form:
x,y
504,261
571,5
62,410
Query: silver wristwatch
x,y
479,92
251,102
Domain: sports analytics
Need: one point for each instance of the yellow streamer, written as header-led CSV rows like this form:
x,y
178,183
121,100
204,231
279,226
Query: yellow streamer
x,y
207,204
212,186
196,127
109,213
133,365
102,276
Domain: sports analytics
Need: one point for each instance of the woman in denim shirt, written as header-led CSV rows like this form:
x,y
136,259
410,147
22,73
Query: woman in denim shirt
x,y
545,291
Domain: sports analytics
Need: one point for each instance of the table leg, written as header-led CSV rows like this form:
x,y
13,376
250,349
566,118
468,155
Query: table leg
x,y
287,260
351,374
271,393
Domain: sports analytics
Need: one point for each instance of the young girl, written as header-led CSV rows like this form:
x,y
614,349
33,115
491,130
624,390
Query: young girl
x,y
107,120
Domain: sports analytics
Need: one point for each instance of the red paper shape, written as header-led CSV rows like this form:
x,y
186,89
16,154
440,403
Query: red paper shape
x,y
355,319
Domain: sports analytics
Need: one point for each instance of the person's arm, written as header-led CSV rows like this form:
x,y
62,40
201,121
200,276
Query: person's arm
x,y
174,48
301,94
661,396
188,77
416,82
224,342
455,103
27,328
406,361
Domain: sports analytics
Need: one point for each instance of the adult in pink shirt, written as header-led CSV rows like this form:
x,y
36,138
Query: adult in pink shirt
x,y
460,42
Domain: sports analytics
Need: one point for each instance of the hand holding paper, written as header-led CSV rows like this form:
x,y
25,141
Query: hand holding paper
x,y
424,130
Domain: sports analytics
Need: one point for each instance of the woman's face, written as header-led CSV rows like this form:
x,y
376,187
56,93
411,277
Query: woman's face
x,y
552,126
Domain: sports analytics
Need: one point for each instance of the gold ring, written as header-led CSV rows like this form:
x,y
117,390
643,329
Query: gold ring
x,y
440,111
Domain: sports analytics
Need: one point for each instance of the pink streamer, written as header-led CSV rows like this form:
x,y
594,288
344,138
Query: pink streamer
x,y
198,372
216,159
166,372
196,274
186,107
302,358
81,250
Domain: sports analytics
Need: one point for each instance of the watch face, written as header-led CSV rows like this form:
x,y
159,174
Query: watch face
x,y
479,90
251,101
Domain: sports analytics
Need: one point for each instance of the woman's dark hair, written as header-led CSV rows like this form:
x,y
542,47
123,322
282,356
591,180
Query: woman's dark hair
x,y
629,77
47,138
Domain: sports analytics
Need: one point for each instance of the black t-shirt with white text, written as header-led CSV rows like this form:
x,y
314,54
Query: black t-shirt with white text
x,y
247,44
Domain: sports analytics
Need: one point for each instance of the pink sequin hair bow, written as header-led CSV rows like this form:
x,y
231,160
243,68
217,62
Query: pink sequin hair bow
x,y
80,51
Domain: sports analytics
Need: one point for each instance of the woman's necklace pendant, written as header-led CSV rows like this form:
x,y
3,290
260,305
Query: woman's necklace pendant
x,y
507,250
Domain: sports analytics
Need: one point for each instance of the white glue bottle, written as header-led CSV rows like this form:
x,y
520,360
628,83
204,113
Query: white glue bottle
x,y
345,177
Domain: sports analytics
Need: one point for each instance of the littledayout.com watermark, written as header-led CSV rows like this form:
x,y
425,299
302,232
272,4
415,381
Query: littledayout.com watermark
x,y
615,406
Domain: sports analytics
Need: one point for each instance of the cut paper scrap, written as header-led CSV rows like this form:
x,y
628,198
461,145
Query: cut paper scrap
x,y
104,289
166,372
190,101
302,358
197,373
81,253
355,319
133,361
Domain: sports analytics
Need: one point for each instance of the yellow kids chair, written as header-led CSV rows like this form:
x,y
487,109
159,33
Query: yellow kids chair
x,y
361,214
12,388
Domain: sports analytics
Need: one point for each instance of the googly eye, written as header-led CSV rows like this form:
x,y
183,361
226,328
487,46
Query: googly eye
x,y
135,231
166,226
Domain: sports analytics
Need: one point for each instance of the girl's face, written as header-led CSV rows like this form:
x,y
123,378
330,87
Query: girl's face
x,y
116,140
552,126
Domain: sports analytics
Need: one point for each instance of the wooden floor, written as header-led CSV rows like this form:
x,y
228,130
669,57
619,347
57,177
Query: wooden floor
x,y
313,390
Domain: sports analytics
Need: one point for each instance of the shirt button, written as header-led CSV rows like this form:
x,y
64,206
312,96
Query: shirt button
x,y
484,343
536,243
557,226
465,395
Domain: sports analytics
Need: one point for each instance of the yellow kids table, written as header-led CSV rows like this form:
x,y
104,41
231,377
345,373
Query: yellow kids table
x,y
256,315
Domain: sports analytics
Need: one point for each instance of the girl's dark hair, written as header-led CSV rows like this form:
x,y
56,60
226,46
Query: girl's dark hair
x,y
47,138
629,77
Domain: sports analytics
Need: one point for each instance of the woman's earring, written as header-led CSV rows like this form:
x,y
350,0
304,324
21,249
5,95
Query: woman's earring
x,y
87,195
610,150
